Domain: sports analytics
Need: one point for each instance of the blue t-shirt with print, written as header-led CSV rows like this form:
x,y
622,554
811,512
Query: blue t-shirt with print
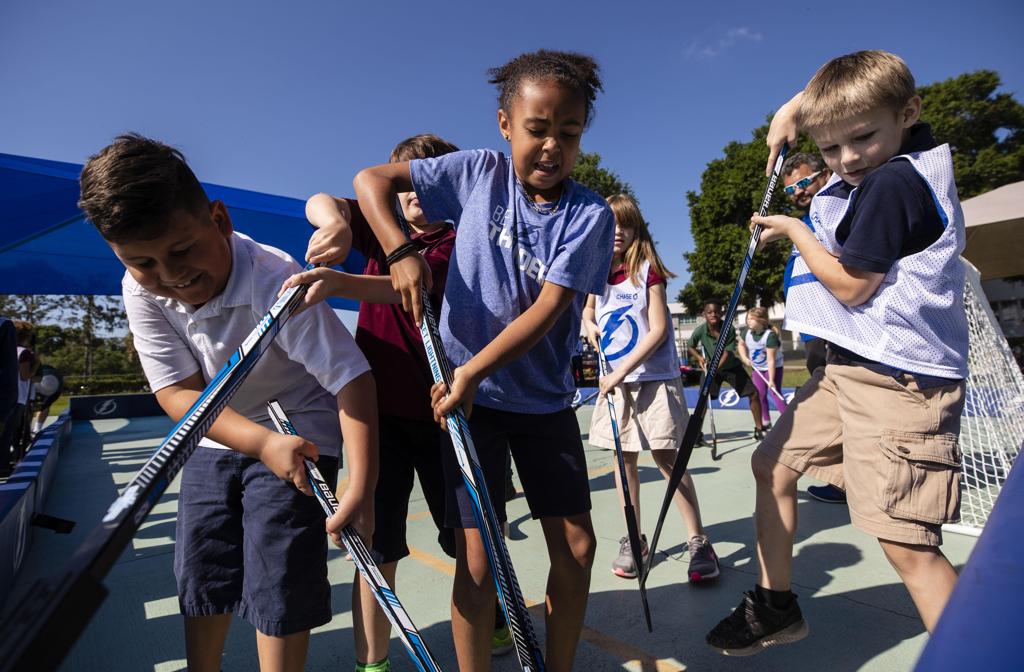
x,y
504,252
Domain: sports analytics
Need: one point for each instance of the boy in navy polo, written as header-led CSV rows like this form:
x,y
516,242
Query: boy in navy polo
x,y
882,418
247,541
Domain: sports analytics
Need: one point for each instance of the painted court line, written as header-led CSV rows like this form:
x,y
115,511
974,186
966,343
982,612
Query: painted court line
x,y
628,654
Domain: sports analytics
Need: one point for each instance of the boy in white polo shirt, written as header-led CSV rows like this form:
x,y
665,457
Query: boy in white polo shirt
x,y
247,541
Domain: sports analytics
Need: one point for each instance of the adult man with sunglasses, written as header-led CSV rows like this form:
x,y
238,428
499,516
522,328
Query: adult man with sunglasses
x,y
803,174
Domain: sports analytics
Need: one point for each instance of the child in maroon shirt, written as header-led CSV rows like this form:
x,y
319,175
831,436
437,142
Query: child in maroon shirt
x,y
410,440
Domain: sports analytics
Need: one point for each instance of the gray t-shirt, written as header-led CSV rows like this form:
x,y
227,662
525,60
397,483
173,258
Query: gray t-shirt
x,y
504,252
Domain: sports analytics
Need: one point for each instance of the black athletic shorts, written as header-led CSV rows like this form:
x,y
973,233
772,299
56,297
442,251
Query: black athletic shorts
x,y
738,378
407,447
548,452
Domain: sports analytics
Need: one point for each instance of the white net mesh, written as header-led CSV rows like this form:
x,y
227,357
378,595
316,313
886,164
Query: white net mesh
x,y
992,424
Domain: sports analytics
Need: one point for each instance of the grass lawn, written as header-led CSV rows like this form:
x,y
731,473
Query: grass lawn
x,y
794,377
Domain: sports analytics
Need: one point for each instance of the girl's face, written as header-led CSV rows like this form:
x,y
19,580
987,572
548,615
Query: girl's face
x,y
753,324
544,128
624,237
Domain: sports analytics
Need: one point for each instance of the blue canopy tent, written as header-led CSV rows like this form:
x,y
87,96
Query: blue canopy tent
x,y
47,246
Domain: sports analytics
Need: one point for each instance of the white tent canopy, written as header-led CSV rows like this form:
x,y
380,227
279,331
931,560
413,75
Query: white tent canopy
x,y
995,231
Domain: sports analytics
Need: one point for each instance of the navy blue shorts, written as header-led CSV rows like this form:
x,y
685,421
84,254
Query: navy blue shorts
x,y
548,452
249,543
407,447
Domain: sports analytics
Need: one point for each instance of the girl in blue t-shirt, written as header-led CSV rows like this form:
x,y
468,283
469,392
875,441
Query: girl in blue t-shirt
x,y
630,318
530,245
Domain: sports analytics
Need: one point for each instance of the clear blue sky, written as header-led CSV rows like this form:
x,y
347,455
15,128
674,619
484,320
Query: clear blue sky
x,y
293,98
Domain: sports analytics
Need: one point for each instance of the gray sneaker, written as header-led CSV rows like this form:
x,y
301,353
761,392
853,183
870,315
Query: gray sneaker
x,y
703,560
623,565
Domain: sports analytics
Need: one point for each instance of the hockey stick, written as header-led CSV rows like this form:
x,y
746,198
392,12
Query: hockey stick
x,y
43,627
509,594
632,530
711,414
511,597
386,597
693,427
778,395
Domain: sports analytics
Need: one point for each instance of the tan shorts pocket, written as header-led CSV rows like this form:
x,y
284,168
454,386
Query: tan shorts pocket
x,y
923,481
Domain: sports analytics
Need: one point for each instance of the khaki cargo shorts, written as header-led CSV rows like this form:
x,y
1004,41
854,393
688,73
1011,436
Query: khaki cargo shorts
x,y
890,445
651,414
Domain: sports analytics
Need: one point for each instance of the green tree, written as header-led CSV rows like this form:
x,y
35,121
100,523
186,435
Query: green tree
x,y
34,308
984,129
93,315
589,172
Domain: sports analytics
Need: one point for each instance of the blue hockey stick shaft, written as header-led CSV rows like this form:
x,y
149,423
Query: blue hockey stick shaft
x,y
386,597
693,427
41,629
632,530
511,597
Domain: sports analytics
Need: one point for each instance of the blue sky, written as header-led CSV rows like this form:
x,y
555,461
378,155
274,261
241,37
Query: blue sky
x,y
294,98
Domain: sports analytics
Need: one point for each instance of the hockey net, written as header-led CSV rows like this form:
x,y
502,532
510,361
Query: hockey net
x,y
992,424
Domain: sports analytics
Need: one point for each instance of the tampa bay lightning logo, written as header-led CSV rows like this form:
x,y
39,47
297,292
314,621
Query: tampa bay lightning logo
x,y
759,357
612,322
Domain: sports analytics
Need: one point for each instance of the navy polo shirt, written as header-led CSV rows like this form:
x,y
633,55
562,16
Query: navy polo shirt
x,y
893,213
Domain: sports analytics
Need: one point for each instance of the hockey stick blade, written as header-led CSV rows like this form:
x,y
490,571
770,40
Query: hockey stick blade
x,y
364,563
43,627
633,532
697,418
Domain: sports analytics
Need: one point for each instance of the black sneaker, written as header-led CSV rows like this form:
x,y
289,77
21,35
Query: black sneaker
x,y
828,493
754,626
759,434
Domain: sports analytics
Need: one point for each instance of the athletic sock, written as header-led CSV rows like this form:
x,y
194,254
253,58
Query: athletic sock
x,y
383,665
776,599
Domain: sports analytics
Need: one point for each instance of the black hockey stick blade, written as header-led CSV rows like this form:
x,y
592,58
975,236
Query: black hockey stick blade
x,y
389,602
693,427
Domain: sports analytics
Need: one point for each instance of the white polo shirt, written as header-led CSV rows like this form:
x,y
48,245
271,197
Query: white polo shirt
x,y
308,363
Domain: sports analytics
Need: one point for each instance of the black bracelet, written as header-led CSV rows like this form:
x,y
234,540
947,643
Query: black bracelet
x,y
400,252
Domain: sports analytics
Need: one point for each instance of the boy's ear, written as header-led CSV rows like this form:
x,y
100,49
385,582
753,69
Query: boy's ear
x,y
911,112
504,124
221,218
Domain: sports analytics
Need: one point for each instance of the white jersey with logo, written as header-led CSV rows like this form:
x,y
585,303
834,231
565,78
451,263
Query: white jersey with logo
x,y
915,321
622,318
758,349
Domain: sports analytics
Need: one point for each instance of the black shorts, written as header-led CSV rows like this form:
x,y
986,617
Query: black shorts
x,y
407,447
548,452
738,378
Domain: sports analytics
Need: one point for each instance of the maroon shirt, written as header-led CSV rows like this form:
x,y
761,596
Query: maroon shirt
x,y
620,274
387,334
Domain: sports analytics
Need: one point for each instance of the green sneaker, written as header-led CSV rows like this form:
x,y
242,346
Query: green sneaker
x,y
379,666
501,640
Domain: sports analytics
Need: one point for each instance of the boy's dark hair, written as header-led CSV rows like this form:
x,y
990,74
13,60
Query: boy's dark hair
x,y
423,146
134,186
572,70
794,161
711,302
